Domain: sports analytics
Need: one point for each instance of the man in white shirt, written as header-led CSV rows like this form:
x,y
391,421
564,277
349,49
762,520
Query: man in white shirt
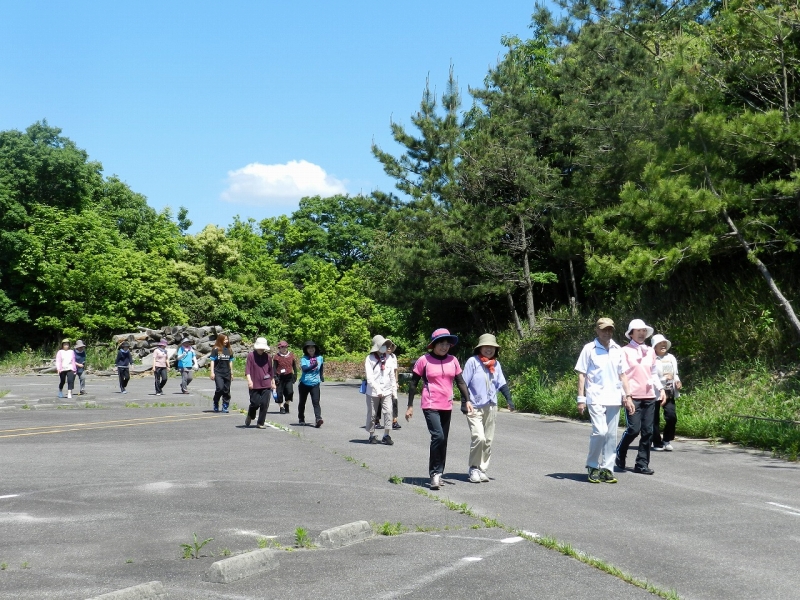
x,y
603,388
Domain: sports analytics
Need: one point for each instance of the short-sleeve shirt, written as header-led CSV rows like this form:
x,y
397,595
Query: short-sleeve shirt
x,y
438,376
222,361
602,368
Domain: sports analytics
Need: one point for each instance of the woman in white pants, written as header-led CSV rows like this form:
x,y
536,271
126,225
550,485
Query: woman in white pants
x,y
379,369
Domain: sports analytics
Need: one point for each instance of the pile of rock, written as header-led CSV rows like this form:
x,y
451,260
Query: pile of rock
x,y
144,341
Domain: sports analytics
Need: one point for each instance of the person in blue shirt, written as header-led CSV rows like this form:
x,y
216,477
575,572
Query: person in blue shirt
x,y
312,375
187,363
484,378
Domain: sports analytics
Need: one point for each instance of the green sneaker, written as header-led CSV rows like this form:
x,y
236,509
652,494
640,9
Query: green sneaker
x,y
607,476
594,475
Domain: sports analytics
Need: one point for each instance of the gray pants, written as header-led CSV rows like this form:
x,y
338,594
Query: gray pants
x,y
186,378
82,379
373,402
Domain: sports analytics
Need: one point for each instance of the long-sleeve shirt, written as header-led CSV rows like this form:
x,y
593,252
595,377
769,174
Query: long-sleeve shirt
x,y
641,371
312,375
65,361
380,378
160,357
259,368
667,368
484,386
124,359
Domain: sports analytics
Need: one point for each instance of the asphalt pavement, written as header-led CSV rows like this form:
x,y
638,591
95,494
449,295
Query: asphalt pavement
x,y
98,493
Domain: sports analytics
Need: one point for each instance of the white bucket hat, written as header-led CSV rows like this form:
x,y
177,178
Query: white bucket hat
x,y
638,324
657,339
261,344
377,342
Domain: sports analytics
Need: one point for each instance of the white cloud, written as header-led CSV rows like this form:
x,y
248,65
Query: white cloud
x,y
270,185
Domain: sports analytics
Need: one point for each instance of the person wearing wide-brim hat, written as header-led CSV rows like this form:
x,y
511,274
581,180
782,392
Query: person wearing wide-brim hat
x,y
160,366
284,363
667,368
484,378
260,376
311,366
66,367
439,370
186,358
646,391
390,351
122,364
80,364
380,375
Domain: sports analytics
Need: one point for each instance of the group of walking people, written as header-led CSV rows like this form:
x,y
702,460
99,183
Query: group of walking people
x,y
644,380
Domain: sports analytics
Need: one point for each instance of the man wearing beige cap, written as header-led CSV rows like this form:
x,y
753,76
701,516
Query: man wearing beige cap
x,y
602,388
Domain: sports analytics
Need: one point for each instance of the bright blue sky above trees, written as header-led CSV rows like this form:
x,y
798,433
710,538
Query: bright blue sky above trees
x,y
240,107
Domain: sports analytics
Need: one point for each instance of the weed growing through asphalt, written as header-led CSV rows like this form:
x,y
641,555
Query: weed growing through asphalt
x,y
131,405
224,552
396,479
265,542
364,465
302,539
193,550
25,407
129,561
390,528
4,392
350,459
25,565
283,428
425,529
91,405
3,566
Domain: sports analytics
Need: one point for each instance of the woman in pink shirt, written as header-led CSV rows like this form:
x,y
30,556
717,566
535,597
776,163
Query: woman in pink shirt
x,y
66,367
438,370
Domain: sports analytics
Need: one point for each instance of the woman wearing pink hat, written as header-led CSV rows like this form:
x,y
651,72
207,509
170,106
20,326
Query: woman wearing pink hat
x,y
438,370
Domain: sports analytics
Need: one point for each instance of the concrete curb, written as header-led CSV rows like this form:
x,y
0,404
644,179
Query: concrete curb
x,y
244,565
146,591
344,535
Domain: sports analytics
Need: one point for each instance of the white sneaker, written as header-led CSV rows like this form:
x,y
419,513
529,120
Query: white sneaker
x,y
435,482
474,475
484,476
69,394
668,447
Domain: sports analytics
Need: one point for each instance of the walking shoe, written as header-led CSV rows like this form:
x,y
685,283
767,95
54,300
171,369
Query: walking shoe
x,y
387,440
484,476
619,463
247,421
216,408
378,425
82,394
436,481
656,448
158,393
607,476
301,422
319,423
225,410
396,425
124,391
261,426
373,440
643,470
594,475
60,394
69,394
668,447
474,475
283,410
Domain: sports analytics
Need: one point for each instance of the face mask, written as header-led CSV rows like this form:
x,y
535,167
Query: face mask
x,y
382,349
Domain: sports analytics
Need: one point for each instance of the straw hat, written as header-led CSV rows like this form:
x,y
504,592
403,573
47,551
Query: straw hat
x,y
487,339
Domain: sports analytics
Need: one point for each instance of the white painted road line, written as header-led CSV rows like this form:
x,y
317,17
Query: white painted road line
x,y
787,510
9,496
784,506
511,540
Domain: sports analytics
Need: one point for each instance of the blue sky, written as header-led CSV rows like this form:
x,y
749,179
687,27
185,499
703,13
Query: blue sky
x,y
240,107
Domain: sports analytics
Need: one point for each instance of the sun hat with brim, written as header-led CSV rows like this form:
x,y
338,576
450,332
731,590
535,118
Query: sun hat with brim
x,y
441,334
79,344
657,339
639,324
390,345
487,339
604,322
125,345
377,342
307,344
65,341
261,344
163,342
187,341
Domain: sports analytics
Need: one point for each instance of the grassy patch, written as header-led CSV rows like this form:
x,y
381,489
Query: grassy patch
x,y
396,479
302,539
132,405
389,529
192,550
4,393
265,542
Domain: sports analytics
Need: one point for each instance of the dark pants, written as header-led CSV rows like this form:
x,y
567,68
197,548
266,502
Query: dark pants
x,y
670,418
439,427
223,390
640,422
259,401
161,378
305,390
124,375
394,411
284,389
69,377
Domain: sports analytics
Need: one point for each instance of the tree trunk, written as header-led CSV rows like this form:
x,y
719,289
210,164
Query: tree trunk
x,y
573,302
512,308
762,268
526,271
